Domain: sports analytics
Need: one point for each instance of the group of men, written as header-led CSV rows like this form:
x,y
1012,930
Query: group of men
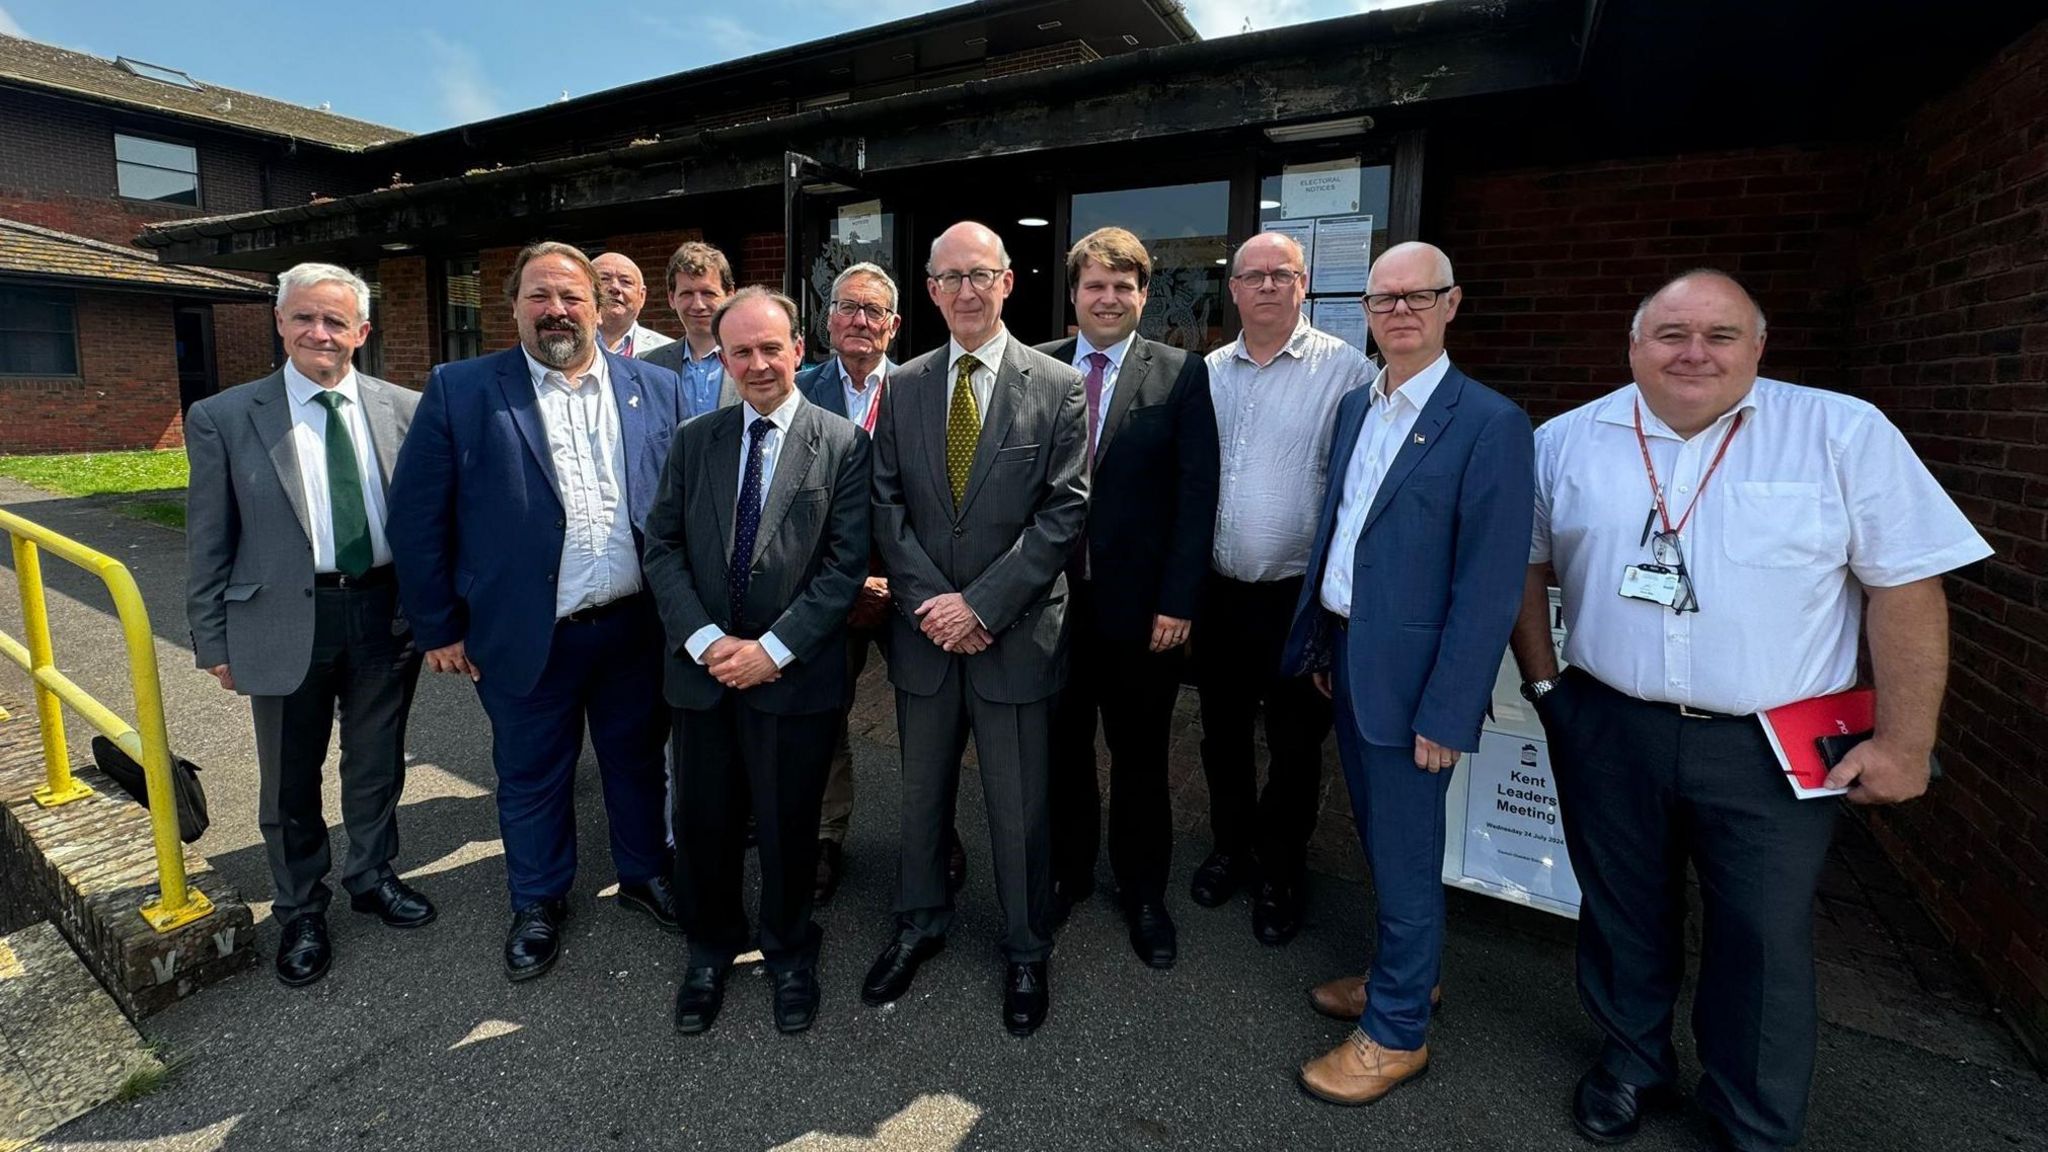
x,y
1041,541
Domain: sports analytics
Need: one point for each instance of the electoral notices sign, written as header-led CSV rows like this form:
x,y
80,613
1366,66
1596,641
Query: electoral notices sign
x,y
1514,839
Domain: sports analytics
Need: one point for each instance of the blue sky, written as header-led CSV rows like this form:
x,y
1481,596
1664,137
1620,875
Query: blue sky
x,y
425,64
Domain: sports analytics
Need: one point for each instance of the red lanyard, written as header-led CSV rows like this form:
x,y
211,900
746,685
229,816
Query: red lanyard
x,y
867,422
1657,490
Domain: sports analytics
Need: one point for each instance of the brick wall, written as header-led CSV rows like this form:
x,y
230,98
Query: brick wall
x,y
1050,56
1554,261
244,343
405,321
1951,320
760,260
494,265
126,395
651,250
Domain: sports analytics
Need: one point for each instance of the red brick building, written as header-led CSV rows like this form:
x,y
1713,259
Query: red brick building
x,y
100,345
1889,211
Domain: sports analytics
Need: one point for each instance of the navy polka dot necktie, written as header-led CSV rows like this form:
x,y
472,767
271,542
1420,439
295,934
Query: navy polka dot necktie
x,y
747,521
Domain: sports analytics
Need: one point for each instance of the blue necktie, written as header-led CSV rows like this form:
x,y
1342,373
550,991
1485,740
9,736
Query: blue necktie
x,y
746,522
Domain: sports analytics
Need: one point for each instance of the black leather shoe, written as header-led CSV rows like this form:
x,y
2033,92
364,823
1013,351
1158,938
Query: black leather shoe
x,y
1025,998
1152,933
796,999
1720,1139
1607,1109
830,854
1066,894
1276,912
304,954
698,999
396,903
1217,880
956,861
535,941
654,898
890,975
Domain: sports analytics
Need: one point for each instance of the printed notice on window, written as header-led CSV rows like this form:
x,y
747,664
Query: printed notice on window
x,y
1342,317
1513,836
1325,188
1342,256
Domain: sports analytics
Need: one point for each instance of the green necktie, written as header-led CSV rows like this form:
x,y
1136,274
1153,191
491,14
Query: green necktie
x,y
352,553
963,428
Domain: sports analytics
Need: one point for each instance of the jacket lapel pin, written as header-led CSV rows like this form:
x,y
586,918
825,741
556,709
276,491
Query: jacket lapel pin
x,y
633,401
1419,438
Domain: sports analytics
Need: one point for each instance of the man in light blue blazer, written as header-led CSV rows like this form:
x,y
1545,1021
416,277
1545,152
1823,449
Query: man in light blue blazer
x,y
518,507
1413,586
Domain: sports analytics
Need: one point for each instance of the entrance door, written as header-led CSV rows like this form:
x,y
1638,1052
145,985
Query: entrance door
x,y
831,222
196,377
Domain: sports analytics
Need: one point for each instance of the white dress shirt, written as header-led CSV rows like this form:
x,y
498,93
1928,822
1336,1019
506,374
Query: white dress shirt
x,y
1274,424
1116,353
1818,496
771,449
599,562
309,444
989,356
860,394
1381,437
637,342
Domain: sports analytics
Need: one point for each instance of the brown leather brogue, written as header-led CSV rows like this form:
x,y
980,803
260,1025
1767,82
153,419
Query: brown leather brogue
x,y
1359,1071
1344,998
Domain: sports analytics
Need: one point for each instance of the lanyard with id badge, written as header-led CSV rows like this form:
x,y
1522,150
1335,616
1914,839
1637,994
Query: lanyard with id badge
x,y
1666,582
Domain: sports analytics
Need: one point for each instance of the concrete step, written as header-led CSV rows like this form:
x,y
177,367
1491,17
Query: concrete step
x,y
65,1047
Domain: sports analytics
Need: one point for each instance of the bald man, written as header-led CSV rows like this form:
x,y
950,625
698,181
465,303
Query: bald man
x,y
622,292
1413,584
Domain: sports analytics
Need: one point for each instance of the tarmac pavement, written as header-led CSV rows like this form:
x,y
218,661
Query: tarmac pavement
x,y
416,1040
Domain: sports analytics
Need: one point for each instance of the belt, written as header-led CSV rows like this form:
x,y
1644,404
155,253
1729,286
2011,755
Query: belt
x,y
374,578
1685,710
596,612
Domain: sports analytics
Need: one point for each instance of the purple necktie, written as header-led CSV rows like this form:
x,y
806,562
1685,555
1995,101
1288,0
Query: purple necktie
x,y
1097,365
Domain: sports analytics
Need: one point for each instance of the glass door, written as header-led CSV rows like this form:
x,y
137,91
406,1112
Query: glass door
x,y
831,222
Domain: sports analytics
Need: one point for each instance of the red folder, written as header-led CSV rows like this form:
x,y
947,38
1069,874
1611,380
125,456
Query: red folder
x,y
1794,728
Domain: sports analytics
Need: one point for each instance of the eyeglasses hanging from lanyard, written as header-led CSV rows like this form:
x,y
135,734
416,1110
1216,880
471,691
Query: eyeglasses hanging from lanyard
x,y
1675,588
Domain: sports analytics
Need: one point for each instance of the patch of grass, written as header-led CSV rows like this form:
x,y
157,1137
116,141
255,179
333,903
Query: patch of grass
x,y
99,473
169,513
150,1075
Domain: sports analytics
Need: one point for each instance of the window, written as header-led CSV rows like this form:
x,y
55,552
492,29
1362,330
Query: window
x,y
38,334
370,357
1185,228
462,314
158,73
156,170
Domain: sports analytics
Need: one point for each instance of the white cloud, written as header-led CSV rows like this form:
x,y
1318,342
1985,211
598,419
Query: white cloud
x,y
729,38
9,26
465,95
1214,18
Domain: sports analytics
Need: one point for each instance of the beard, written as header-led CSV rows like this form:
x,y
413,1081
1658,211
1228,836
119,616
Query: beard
x,y
560,347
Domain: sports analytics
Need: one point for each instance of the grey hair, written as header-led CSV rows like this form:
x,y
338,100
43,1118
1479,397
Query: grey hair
x,y
1444,275
1300,256
1002,250
307,275
864,268
1635,324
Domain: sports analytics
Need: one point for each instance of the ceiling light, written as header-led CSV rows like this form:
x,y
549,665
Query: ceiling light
x,y
904,56
397,246
1319,130
1265,205
975,41
1223,259
1130,40
1033,221
1048,26
841,70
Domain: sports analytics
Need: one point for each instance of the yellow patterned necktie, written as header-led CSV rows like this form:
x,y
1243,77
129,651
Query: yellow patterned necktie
x,y
963,428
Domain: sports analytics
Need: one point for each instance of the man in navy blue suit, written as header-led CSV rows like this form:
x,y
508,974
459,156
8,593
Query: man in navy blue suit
x,y
517,510
1412,589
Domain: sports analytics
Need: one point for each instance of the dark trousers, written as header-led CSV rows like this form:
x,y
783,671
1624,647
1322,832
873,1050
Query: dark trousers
x,y
1012,743
836,814
1643,791
1399,810
1133,688
364,673
1237,667
732,761
605,671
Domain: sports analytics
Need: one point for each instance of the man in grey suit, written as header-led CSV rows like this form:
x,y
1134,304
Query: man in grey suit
x,y
699,280
756,547
292,602
979,496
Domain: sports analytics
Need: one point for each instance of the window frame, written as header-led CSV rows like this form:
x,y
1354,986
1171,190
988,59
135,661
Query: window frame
x,y
69,299
198,185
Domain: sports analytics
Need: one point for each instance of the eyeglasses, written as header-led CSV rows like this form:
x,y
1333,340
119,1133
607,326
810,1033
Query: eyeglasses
x,y
1664,547
1281,278
1420,300
874,312
982,278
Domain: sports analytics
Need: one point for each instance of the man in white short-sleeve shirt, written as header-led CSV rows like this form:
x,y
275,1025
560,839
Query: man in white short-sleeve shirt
x,y
1715,536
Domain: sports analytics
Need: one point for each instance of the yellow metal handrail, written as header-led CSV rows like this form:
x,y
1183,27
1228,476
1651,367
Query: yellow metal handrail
x,y
177,902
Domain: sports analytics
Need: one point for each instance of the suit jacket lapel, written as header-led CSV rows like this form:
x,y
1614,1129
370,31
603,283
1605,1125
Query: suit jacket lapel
x,y
792,464
1003,401
272,416
826,390
633,413
1129,379
517,386
1429,426
931,391
383,421
724,462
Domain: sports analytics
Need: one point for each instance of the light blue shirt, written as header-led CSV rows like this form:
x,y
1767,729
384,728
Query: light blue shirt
x,y
702,378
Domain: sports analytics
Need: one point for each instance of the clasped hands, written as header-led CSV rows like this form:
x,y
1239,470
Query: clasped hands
x,y
947,621
740,664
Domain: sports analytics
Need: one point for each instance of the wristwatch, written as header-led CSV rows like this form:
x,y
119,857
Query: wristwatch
x,y
1534,690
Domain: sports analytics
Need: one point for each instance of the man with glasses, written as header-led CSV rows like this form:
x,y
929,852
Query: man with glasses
x,y
1275,390
1413,585
861,319
621,295
979,496
1744,522
699,280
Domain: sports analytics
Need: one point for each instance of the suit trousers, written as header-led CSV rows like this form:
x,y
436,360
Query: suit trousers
x,y
606,671
836,814
734,760
1237,667
363,669
1399,810
1012,742
1133,689
1642,791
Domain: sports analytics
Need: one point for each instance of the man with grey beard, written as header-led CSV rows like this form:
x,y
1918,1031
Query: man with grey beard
x,y
517,509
